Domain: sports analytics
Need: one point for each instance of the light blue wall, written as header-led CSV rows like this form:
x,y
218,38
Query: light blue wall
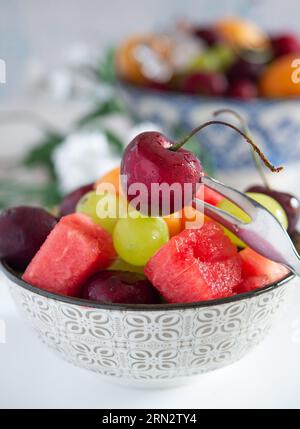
x,y
44,29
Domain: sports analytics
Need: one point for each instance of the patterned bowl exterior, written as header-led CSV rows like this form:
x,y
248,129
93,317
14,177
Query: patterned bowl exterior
x,y
167,343
275,124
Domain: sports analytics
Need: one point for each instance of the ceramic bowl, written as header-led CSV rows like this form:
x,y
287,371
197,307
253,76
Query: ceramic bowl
x,y
149,343
275,124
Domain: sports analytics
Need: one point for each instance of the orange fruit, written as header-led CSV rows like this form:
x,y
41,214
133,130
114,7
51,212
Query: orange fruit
x,y
192,218
174,222
129,66
112,177
242,34
277,79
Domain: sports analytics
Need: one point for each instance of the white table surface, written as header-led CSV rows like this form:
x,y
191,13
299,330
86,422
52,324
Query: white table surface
x,y
31,376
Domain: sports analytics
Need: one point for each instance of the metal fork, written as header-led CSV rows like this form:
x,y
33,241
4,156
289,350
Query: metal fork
x,y
263,233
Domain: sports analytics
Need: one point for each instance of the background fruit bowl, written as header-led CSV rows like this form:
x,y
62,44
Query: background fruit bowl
x,y
154,345
274,123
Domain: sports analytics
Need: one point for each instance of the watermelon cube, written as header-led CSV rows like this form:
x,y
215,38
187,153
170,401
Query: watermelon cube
x,y
258,271
74,250
254,264
209,195
196,265
252,283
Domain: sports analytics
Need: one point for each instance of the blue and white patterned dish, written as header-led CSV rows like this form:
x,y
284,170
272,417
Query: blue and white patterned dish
x,y
156,345
275,124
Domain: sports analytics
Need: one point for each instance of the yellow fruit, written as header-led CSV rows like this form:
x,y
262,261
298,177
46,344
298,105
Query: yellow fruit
x,y
174,222
112,177
277,80
242,34
192,218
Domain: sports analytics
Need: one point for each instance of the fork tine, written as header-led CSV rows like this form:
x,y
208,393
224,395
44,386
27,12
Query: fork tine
x,y
226,219
248,205
264,233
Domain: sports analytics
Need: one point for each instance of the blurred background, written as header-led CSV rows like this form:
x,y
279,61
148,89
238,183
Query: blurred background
x,y
35,34
50,94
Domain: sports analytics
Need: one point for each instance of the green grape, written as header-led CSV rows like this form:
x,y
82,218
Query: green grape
x,y
215,59
120,265
104,209
225,54
137,240
205,62
272,205
269,203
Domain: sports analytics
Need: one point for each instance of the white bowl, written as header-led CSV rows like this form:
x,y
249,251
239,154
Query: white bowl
x,y
152,343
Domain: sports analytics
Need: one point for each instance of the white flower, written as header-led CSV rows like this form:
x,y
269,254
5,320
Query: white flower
x,y
60,84
81,55
185,49
141,128
82,158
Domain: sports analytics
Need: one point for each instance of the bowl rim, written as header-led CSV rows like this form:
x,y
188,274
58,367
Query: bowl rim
x,y
12,275
123,84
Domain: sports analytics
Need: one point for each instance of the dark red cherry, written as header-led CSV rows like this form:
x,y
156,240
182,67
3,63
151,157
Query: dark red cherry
x,y
158,86
68,204
148,163
284,44
204,83
243,69
22,232
289,203
243,89
208,34
120,287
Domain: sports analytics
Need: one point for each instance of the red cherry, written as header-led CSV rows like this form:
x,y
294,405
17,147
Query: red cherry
x,y
68,204
209,35
159,177
211,84
148,160
243,89
289,203
243,69
120,287
22,232
285,44
158,86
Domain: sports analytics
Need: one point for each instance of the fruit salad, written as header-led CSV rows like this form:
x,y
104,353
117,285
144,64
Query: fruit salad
x,y
231,57
123,240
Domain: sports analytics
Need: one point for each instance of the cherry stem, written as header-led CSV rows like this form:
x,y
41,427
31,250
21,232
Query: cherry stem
x,y
246,130
181,143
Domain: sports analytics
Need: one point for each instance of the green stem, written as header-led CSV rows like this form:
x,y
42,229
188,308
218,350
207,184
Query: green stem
x,y
246,130
234,113
181,143
261,172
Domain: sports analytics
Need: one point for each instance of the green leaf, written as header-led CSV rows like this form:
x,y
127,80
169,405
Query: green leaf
x,y
41,155
114,140
108,107
107,69
16,193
